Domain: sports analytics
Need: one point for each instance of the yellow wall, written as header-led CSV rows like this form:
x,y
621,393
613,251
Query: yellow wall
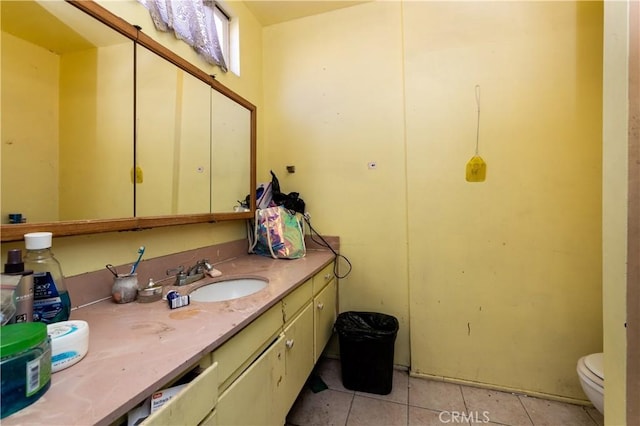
x,y
29,129
501,280
156,110
615,187
508,275
91,145
333,103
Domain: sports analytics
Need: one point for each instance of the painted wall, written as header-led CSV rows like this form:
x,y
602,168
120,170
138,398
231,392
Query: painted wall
x,y
333,103
509,278
95,133
615,201
21,138
501,280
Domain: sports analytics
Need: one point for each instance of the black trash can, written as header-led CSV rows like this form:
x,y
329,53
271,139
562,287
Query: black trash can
x,y
366,350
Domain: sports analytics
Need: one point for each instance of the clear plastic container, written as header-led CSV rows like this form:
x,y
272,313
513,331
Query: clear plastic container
x,y
51,302
25,365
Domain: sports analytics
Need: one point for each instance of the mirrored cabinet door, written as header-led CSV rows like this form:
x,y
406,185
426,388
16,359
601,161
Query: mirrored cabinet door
x,y
102,133
173,172
67,115
230,152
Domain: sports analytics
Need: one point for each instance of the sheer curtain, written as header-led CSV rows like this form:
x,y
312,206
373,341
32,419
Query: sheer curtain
x,y
191,22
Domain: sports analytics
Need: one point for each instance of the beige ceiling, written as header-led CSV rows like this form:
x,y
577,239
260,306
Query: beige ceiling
x,y
270,12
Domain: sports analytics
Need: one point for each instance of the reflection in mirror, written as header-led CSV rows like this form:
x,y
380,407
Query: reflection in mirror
x,y
230,152
67,114
68,129
173,139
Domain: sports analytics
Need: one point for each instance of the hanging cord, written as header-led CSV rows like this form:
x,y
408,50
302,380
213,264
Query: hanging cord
x,y
326,244
478,123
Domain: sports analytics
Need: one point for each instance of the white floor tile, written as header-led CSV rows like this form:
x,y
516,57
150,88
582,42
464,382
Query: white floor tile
x,y
435,395
415,401
328,407
551,413
370,412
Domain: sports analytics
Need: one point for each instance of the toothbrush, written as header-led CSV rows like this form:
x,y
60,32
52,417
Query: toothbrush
x,y
135,265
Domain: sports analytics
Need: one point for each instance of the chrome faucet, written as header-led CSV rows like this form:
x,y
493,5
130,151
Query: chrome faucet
x,y
193,274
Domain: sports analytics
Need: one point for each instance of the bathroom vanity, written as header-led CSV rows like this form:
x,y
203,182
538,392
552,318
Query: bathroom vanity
x,y
246,359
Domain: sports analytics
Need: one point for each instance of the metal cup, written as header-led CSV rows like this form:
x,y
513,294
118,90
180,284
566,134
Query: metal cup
x,y
125,288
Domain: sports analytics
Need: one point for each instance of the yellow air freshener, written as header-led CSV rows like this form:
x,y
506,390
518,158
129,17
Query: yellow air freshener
x,y
476,169
137,175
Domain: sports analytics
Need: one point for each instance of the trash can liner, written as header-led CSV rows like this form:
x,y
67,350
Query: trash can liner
x,y
361,326
366,350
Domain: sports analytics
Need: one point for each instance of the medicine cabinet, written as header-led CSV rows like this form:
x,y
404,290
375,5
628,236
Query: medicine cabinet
x,y
104,129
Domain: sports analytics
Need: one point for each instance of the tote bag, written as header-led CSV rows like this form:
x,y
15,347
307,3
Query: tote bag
x,y
278,233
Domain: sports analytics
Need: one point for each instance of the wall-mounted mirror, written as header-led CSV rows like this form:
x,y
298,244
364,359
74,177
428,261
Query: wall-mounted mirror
x,y
173,125
230,154
69,121
67,115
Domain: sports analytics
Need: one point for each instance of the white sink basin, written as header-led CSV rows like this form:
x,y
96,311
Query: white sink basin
x,y
228,290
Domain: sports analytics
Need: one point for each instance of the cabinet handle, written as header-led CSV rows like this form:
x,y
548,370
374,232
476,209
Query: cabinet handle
x,y
320,306
289,343
327,277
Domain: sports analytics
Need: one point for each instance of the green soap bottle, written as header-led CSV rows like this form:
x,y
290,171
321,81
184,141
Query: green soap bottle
x,y
51,302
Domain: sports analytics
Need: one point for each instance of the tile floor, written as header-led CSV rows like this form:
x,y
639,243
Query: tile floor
x,y
416,401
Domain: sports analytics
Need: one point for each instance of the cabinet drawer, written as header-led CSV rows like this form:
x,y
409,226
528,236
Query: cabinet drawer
x,y
322,278
240,351
295,300
191,404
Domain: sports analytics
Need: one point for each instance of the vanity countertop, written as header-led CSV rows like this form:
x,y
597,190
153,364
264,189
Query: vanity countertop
x,y
137,348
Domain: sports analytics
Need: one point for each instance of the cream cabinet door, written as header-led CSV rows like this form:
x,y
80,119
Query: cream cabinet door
x,y
298,341
250,400
324,314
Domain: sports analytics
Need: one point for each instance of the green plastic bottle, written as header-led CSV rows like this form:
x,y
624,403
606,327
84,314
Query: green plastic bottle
x,y
51,302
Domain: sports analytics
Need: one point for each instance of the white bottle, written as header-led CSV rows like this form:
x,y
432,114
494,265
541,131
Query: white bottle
x,y
51,302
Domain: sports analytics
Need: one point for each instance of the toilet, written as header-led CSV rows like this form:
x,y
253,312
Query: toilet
x,y
590,371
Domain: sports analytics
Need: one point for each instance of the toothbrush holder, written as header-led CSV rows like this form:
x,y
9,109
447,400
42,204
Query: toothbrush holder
x,y
125,288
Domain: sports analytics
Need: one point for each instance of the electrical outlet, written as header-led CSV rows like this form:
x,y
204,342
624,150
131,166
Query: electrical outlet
x,y
372,165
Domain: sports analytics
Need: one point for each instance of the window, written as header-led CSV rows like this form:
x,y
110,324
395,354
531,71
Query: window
x,y
222,20
193,21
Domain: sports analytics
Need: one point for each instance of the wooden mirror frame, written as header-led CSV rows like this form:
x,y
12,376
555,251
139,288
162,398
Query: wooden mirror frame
x,y
15,232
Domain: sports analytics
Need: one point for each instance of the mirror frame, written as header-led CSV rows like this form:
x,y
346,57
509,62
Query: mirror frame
x,y
15,232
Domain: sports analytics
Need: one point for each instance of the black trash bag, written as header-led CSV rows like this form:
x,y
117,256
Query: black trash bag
x,y
366,350
360,326
275,184
290,201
